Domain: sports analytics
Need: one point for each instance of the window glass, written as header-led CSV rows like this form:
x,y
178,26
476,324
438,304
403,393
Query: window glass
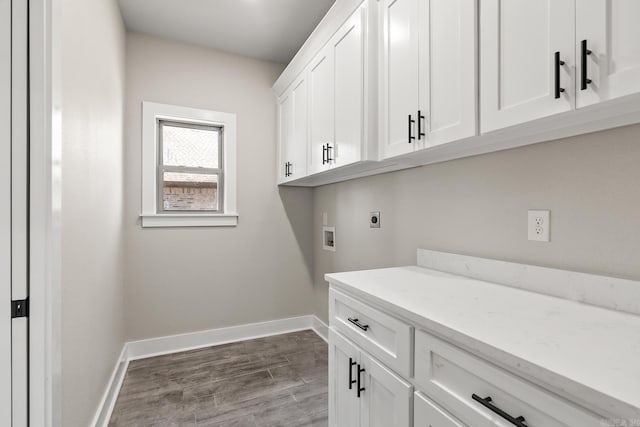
x,y
190,191
183,145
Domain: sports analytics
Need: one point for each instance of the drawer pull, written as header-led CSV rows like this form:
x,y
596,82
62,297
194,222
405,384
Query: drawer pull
x,y
358,324
361,389
486,402
351,380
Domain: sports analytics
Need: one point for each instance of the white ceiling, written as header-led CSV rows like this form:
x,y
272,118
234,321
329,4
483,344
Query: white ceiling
x,y
271,30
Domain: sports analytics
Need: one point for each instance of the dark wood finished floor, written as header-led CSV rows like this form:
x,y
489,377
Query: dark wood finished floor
x,y
272,381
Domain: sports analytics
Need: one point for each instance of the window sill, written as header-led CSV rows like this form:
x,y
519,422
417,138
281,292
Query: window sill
x,y
189,220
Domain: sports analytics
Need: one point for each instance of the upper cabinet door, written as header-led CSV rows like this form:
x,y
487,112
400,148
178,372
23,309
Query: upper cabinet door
x,y
608,45
285,129
344,407
300,132
448,90
386,397
294,138
321,112
348,46
521,80
399,76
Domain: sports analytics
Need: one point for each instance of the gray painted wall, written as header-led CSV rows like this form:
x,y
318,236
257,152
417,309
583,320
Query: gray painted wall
x,y
188,279
478,206
93,47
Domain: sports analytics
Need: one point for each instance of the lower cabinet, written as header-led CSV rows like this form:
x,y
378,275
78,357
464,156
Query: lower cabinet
x,y
427,414
362,392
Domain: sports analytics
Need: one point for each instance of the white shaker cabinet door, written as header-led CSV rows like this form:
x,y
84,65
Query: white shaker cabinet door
x,y
344,357
428,414
285,137
348,55
300,136
321,112
399,76
521,80
608,49
447,70
386,398
293,131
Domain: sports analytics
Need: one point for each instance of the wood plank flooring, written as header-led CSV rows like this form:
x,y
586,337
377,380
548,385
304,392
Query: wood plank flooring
x,y
267,382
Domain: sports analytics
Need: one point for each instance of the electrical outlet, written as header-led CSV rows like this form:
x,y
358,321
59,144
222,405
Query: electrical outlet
x,y
539,226
374,219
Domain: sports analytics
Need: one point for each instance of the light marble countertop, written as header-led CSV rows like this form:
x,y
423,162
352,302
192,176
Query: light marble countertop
x,y
586,353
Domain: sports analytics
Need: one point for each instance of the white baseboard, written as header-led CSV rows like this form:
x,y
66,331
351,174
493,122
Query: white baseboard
x,y
175,343
103,414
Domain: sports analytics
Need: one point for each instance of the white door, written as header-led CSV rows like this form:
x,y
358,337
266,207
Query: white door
x,y
321,112
609,30
13,215
19,213
428,414
399,77
344,359
348,47
447,71
386,399
5,212
521,80
285,129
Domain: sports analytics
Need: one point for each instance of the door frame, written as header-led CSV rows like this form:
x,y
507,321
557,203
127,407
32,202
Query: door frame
x,y
45,28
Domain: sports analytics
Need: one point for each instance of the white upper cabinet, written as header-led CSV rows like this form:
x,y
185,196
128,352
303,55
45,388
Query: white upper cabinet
x,y
341,100
293,111
527,60
448,89
321,112
348,48
428,74
399,98
608,50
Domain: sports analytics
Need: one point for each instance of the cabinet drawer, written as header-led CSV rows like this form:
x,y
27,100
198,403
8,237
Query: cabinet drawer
x,y
382,336
428,414
463,383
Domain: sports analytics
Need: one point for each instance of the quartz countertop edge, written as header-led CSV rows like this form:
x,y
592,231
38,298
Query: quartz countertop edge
x,y
475,314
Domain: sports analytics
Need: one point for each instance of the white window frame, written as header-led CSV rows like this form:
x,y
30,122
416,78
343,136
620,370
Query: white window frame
x,y
152,113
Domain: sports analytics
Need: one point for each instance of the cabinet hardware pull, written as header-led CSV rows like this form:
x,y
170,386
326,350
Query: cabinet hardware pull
x,y
361,389
584,79
486,402
324,154
358,324
352,363
329,148
286,169
411,122
420,120
558,63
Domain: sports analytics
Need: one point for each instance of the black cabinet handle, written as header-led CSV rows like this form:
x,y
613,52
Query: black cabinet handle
x,y
584,79
358,324
324,154
411,122
558,63
486,402
352,363
361,389
286,169
329,148
420,120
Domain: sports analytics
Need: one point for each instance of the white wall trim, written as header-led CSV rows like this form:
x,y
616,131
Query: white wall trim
x,y
142,349
110,396
151,113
